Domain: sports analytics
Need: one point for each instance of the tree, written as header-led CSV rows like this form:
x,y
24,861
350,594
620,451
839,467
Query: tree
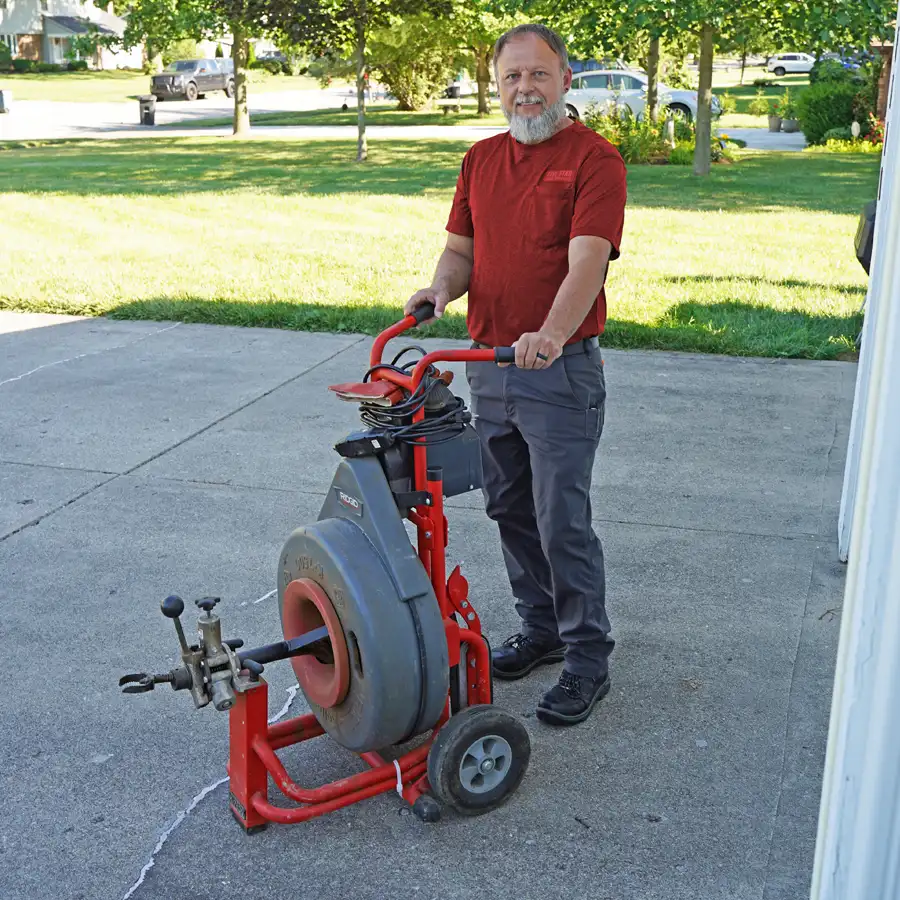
x,y
414,57
343,28
834,24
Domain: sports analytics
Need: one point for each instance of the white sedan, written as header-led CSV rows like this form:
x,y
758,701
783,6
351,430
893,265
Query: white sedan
x,y
608,88
790,62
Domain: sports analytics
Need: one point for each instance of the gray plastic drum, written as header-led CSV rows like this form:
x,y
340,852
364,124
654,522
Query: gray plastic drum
x,y
398,679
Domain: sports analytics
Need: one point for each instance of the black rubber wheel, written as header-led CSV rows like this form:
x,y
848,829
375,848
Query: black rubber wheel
x,y
190,92
779,71
571,112
229,89
478,760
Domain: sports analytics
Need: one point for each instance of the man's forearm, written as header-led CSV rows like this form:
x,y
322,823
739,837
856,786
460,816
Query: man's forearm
x,y
452,273
573,301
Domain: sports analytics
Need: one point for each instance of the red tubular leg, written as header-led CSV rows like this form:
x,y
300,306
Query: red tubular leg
x,y
480,687
247,774
336,789
293,731
302,814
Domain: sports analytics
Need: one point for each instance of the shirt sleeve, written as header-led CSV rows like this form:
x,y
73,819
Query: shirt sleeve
x,y
460,220
600,195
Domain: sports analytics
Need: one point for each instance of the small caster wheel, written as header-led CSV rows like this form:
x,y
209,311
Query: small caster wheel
x,y
478,759
427,809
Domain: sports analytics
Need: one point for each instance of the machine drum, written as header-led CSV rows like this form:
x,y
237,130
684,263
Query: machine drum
x,y
386,677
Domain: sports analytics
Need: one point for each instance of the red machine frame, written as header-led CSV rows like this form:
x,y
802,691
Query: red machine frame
x,y
254,742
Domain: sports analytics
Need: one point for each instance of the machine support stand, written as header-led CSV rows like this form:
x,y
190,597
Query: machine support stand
x,y
247,774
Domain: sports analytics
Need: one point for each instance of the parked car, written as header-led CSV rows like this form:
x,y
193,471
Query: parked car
x,y
790,62
620,88
192,78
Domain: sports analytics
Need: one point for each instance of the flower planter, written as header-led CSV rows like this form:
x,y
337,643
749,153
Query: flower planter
x,y
790,125
774,123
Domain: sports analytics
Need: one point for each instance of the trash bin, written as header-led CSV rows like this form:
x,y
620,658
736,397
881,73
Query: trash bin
x,y
148,110
5,101
865,235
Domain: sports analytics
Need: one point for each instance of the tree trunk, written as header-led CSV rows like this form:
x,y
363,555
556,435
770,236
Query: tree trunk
x,y
743,62
362,148
240,52
483,77
653,80
704,99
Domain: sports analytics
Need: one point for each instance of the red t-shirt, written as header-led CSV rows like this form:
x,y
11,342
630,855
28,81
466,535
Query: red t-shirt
x,y
522,203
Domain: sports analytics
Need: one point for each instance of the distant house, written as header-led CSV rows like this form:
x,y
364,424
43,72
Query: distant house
x,y
43,30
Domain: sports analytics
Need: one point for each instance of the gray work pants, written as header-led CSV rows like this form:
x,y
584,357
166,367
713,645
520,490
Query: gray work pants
x,y
539,430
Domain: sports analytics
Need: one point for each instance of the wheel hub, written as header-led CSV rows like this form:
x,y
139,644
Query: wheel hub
x,y
485,764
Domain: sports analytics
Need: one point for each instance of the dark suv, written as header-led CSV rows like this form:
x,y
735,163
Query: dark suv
x,y
192,78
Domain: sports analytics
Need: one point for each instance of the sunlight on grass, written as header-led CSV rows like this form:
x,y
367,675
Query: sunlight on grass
x,y
758,259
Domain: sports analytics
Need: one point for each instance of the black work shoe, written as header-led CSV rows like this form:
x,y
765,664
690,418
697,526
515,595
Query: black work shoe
x,y
520,654
572,699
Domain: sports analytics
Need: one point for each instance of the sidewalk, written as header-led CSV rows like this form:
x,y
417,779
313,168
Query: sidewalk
x,y
139,459
39,120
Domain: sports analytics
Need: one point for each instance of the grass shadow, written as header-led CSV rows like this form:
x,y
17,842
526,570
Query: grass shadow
x,y
759,182
740,281
731,328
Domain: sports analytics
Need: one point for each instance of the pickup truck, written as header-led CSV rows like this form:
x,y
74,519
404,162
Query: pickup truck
x,y
192,78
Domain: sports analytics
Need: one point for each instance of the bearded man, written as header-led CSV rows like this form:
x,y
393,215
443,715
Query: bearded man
x,y
537,216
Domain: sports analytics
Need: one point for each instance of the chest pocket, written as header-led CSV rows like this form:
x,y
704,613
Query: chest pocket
x,y
550,211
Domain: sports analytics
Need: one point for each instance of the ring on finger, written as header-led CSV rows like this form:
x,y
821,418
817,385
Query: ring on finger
x,y
541,356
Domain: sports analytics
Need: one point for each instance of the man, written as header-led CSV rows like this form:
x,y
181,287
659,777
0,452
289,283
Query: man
x,y
536,218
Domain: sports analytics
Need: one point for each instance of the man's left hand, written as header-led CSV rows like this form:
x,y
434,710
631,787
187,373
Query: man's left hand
x,y
537,350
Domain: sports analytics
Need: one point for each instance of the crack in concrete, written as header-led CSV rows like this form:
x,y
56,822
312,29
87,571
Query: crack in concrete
x,y
196,800
60,362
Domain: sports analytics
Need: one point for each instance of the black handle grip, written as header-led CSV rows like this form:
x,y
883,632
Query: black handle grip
x,y
505,354
172,606
423,312
207,603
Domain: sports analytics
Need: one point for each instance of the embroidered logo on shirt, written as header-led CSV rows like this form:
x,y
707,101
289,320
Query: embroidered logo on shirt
x,y
560,175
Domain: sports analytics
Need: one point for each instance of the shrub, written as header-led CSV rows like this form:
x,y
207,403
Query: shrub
x,y
786,107
5,56
270,65
829,71
23,65
729,104
47,67
682,154
822,107
220,53
851,146
680,79
759,106
78,65
763,82
637,140
838,134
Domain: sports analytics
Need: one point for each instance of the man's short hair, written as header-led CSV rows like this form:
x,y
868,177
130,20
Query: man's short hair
x,y
542,31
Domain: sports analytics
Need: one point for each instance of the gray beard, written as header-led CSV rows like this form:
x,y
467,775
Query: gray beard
x,y
534,129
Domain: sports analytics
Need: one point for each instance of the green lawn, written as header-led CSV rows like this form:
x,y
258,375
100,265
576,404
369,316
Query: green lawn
x,y
744,93
116,86
755,260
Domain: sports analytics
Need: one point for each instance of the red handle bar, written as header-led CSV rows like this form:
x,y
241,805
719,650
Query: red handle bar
x,y
421,314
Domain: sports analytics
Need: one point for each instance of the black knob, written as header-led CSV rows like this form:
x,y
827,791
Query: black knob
x,y
172,606
207,603
254,668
